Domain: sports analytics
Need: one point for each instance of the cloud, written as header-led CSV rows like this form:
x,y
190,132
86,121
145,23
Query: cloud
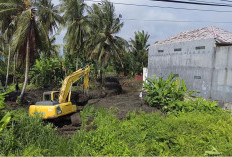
x,y
160,30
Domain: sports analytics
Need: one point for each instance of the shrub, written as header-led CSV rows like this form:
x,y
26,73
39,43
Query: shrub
x,y
171,95
161,93
198,104
4,117
47,72
30,136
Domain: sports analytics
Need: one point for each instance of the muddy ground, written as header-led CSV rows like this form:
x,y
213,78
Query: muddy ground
x,y
119,92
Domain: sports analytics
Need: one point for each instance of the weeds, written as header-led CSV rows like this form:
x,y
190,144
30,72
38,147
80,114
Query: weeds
x,y
191,133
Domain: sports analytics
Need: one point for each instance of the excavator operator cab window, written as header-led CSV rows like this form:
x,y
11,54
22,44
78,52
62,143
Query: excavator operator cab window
x,y
56,96
47,97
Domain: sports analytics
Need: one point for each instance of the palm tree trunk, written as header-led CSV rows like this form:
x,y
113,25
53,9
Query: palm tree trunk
x,y
14,68
103,74
26,70
77,62
8,68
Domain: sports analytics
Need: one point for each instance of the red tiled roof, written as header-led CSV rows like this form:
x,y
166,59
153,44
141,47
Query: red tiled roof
x,y
222,36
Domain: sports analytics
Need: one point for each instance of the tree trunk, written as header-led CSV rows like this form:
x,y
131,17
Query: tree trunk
x,y
8,68
14,68
27,69
77,62
103,74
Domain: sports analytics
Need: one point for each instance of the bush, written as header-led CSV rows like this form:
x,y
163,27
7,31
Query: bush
x,y
4,117
198,104
47,72
30,136
172,95
161,93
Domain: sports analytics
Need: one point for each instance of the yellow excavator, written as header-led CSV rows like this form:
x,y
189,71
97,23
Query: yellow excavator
x,y
57,104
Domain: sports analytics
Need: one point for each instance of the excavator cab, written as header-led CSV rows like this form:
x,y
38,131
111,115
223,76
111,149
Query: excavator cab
x,y
51,96
50,107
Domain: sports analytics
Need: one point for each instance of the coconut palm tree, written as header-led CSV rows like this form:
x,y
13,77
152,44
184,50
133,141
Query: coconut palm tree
x,y
30,33
7,25
49,15
104,44
77,26
34,20
139,49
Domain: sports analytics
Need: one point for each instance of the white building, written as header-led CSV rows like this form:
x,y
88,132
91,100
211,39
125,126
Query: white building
x,y
202,57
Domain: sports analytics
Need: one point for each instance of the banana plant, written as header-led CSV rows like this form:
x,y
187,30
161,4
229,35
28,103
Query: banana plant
x,y
4,121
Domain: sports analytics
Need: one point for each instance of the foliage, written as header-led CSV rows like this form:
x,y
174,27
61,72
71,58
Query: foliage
x,y
26,26
154,135
139,49
198,104
213,152
4,121
49,15
77,28
31,137
162,93
47,72
104,45
190,134
172,95
2,100
7,117
128,67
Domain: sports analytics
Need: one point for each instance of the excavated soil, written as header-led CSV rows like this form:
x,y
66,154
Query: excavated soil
x,y
121,93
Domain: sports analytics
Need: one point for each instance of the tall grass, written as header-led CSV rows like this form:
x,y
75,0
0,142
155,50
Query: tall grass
x,y
191,133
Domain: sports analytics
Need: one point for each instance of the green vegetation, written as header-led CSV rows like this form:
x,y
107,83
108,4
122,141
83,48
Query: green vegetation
x,y
199,128
190,134
28,30
162,93
137,56
47,72
173,95
139,50
188,126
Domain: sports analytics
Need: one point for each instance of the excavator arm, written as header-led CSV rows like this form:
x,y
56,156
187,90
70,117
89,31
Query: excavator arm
x,y
67,84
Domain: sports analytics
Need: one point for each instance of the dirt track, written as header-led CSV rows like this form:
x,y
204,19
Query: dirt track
x,y
126,102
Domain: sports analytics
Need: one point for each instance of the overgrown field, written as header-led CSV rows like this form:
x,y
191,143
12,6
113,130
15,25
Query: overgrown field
x,y
191,133
180,126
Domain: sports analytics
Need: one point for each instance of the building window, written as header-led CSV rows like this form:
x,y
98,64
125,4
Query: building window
x,y
197,77
160,51
178,49
200,47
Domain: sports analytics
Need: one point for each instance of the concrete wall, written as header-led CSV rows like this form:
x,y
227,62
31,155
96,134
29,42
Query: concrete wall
x,y
145,73
191,64
222,74
208,71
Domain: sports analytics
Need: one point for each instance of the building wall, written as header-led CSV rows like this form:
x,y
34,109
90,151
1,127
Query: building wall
x,y
192,63
222,74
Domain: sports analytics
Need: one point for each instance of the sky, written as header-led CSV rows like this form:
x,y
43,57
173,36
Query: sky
x,y
161,30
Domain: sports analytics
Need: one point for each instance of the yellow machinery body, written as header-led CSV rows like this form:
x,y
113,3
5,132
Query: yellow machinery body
x,y
56,104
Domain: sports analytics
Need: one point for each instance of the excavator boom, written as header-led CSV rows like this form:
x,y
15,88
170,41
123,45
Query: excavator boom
x,y
67,84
